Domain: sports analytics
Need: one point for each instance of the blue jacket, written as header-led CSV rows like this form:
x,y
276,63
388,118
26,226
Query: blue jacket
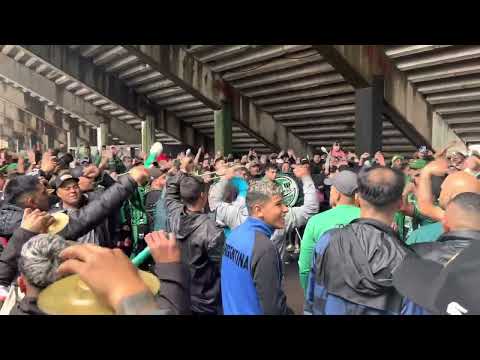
x,y
252,272
368,296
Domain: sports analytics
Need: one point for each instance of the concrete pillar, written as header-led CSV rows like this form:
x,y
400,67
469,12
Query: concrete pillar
x,y
45,142
223,129
442,134
102,135
69,140
148,132
368,117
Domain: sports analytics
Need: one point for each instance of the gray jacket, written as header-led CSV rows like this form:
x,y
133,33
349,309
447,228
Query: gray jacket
x,y
232,215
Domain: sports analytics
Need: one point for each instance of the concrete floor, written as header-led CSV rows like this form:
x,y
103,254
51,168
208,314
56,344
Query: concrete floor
x,y
293,290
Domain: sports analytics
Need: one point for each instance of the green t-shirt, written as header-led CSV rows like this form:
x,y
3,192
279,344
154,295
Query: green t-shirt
x,y
337,217
427,233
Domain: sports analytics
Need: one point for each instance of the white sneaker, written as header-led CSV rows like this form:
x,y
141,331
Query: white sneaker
x,y
289,248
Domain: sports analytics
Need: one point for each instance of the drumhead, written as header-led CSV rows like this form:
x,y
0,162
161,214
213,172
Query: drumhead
x,y
290,189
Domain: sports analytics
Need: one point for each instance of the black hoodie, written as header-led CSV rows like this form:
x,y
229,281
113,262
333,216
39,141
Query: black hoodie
x,y
201,242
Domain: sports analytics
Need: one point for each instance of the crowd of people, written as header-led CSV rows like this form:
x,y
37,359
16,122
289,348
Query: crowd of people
x,y
371,237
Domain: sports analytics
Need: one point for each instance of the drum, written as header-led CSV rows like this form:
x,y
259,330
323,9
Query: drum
x,y
290,189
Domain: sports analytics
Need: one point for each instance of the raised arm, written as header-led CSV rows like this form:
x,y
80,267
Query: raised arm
x,y
443,151
426,200
88,217
299,215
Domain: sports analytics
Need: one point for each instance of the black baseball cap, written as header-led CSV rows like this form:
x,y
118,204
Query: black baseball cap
x,y
442,289
60,180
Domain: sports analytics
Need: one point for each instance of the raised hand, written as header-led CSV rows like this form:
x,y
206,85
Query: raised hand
x,y
91,171
438,167
163,248
139,174
49,162
36,221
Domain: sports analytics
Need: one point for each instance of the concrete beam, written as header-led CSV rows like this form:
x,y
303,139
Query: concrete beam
x,y
169,124
29,79
459,119
123,131
334,110
265,128
406,128
308,104
302,57
468,130
334,136
441,86
450,55
285,75
406,50
223,130
305,94
63,60
445,71
177,65
443,134
358,64
48,90
328,120
456,108
314,129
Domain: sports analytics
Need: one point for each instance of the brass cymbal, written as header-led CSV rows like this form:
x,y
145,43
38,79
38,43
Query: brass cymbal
x,y
61,220
71,296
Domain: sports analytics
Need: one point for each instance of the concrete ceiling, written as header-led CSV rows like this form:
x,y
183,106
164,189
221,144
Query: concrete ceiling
x,y
448,76
298,88
84,94
291,83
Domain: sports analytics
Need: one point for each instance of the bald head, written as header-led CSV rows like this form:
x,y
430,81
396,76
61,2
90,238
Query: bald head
x,y
462,212
457,183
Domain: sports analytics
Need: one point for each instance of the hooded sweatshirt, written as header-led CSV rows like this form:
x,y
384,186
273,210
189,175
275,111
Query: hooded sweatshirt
x,y
201,242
